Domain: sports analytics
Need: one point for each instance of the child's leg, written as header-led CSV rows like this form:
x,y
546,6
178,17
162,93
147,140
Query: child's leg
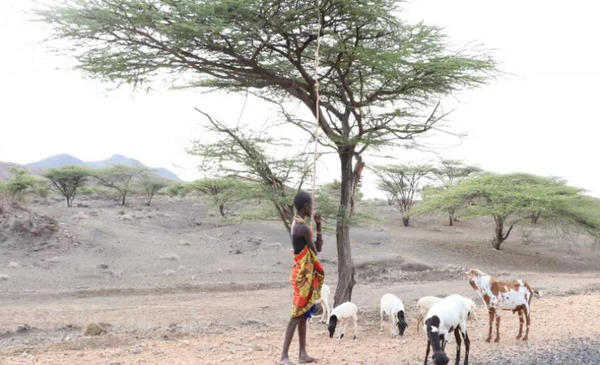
x,y
303,357
289,335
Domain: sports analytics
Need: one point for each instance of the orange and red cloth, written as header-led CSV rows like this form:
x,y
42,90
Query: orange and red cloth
x,y
307,279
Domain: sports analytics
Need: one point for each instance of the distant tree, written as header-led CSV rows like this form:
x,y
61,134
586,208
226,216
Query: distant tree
x,y
177,189
151,183
402,184
221,191
512,198
450,173
19,182
379,79
67,179
120,178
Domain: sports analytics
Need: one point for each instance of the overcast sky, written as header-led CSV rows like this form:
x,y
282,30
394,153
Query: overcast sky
x,y
541,121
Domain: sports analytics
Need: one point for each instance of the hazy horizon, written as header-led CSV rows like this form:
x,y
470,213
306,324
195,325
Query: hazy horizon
x,y
536,121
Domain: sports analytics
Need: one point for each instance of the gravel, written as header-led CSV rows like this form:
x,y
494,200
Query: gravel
x,y
576,351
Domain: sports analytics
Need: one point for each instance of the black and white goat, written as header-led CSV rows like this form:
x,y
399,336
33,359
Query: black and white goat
x,y
343,313
393,307
447,316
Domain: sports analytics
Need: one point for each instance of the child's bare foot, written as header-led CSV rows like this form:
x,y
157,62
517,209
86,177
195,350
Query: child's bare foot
x,y
286,361
305,359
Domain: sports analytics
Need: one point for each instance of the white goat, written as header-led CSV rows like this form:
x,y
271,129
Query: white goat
x,y
393,306
447,316
497,295
343,313
324,301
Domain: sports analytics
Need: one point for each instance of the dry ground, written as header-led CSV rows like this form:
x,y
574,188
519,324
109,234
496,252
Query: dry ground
x,y
174,285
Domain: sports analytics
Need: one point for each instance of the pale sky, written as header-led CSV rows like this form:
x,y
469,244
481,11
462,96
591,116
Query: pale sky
x,y
541,120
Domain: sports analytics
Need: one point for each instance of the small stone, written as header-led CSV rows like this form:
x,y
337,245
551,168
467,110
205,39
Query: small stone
x,y
13,265
170,256
93,329
103,266
181,267
4,277
23,328
169,272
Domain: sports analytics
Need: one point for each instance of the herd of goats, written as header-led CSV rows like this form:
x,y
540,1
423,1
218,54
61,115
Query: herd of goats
x,y
443,316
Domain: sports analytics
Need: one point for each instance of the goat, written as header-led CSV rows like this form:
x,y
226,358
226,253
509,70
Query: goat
x,y
393,306
324,301
497,295
425,303
343,313
447,316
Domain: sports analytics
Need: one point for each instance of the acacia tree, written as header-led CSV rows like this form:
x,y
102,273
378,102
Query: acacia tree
x,y
377,79
67,179
402,184
450,173
512,198
151,183
121,178
221,191
20,181
240,151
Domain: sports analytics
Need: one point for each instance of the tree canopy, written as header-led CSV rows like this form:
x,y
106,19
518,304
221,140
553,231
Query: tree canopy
x,y
221,191
67,179
121,178
151,183
402,185
512,198
379,77
20,181
449,173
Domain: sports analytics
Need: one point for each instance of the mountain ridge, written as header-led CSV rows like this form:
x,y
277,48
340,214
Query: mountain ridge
x,y
66,159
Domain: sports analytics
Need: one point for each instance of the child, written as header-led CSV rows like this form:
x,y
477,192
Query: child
x,y
307,276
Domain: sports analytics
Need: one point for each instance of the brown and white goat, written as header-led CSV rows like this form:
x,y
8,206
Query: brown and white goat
x,y
497,295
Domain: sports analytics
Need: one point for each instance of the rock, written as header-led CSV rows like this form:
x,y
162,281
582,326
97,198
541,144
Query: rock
x,y
23,328
4,277
181,267
80,216
170,256
185,243
169,272
13,265
93,329
103,266
126,217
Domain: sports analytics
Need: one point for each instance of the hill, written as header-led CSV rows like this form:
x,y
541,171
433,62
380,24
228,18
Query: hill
x,y
65,159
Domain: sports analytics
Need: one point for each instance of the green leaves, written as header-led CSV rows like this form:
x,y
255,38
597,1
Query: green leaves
x,y
67,179
377,73
512,198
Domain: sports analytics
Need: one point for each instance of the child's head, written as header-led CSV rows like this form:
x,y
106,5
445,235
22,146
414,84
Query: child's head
x,y
303,203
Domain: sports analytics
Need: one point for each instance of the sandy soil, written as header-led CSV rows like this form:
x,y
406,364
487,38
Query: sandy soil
x,y
172,284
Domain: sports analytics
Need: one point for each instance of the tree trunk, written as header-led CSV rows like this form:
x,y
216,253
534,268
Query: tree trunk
x,y
222,210
499,235
451,217
535,217
405,220
346,280
149,201
69,202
